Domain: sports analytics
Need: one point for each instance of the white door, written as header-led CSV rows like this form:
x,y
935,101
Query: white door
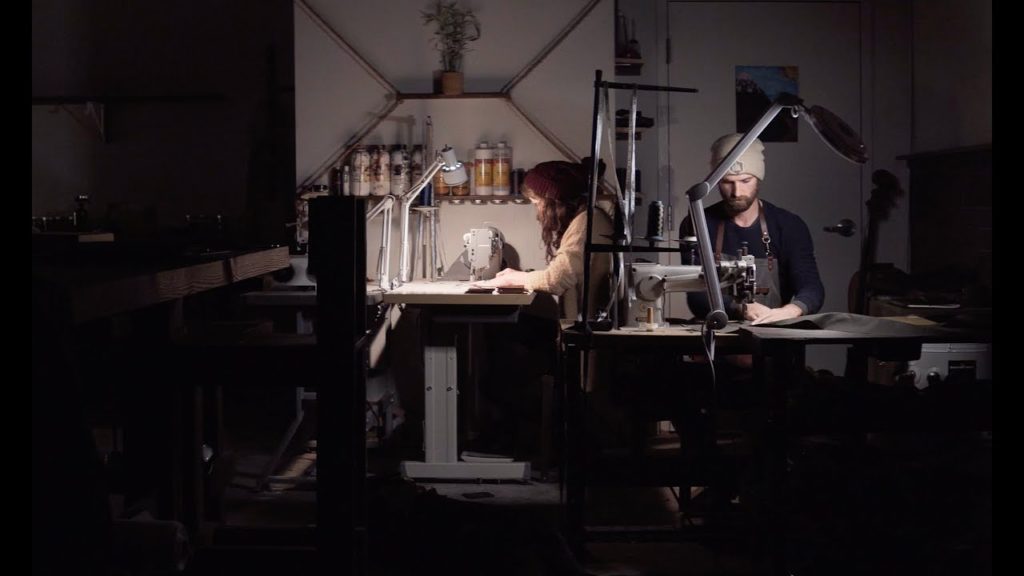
x,y
709,40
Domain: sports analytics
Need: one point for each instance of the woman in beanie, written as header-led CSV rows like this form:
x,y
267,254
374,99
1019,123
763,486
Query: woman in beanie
x,y
558,191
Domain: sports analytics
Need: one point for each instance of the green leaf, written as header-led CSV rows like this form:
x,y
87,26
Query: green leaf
x,y
455,28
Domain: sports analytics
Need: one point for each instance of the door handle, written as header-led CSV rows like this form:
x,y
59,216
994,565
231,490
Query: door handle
x,y
844,228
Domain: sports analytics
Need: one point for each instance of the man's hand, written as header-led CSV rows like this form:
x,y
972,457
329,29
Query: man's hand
x,y
760,314
753,310
507,278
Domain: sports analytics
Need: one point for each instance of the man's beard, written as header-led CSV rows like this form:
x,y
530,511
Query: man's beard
x,y
739,204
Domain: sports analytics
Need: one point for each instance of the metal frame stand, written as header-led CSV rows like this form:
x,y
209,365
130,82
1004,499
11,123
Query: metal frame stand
x,y
626,204
440,426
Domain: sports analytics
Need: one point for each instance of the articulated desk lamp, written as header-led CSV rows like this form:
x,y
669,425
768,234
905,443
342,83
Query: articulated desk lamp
x,y
453,172
837,135
384,255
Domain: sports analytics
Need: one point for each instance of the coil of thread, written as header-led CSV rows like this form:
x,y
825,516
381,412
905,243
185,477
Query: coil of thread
x,y
656,221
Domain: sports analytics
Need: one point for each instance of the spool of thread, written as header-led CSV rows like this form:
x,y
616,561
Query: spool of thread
x,y
689,249
518,175
656,221
650,315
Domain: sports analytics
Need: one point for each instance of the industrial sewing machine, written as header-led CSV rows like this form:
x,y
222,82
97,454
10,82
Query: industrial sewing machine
x,y
483,253
649,281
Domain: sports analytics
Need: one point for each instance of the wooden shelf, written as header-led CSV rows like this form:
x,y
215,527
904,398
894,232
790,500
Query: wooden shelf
x,y
463,96
476,199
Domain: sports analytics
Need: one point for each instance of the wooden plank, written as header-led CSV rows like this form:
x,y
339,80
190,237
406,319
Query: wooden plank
x,y
104,297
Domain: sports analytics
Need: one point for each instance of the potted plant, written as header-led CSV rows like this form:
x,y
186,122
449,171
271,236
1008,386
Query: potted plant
x,y
455,28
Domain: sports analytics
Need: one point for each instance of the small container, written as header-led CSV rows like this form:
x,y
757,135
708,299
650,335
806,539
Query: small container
x,y
334,179
81,215
361,172
399,170
416,164
688,250
380,164
502,171
301,213
483,169
518,176
466,188
440,188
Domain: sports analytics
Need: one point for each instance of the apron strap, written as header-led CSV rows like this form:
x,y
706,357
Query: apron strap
x,y
719,236
764,236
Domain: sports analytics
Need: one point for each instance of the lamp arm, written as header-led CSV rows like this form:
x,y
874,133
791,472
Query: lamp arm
x,y
385,202
384,254
717,317
404,272
425,179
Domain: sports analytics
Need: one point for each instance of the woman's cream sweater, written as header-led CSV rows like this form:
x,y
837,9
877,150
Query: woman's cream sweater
x,y
564,275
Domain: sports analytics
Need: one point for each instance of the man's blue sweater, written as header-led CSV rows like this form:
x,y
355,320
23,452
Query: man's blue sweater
x,y
791,246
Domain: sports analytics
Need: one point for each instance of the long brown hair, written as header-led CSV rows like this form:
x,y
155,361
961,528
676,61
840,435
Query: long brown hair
x,y
555,217
561,188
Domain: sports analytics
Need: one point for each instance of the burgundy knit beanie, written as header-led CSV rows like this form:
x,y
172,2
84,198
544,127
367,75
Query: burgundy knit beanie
x,y
557,179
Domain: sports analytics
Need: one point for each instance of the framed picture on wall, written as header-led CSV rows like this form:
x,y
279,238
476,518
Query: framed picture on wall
x,y
756,89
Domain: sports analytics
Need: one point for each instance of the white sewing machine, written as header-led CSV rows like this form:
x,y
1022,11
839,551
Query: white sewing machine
x,y
483,252
649,281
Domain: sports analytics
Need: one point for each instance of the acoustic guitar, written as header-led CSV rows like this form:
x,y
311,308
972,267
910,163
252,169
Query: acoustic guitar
x,y
883,199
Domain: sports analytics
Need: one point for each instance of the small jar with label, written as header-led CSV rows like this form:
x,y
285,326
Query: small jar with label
x,y
502,172
381,166
361,174
440,188
466,188
483,170
399,170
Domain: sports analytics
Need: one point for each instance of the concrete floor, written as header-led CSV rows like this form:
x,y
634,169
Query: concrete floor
x,y
258,516
883,504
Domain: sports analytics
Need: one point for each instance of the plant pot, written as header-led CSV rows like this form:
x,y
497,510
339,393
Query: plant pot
x,y
451,83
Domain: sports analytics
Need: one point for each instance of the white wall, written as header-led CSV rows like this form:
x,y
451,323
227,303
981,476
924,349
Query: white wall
x,y
336,96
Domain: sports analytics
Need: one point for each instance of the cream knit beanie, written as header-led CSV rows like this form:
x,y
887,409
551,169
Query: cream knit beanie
x,y
750,162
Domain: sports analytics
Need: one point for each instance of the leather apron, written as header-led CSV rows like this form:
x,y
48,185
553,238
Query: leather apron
x,y
768,291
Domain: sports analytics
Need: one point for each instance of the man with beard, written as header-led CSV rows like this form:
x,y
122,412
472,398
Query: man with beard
x,y
788,286
788,283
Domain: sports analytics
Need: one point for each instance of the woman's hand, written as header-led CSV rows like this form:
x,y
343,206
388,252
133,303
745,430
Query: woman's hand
x,y
507,278
774,314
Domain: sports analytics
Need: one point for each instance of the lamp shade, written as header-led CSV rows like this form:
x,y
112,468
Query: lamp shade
x,y
452,171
